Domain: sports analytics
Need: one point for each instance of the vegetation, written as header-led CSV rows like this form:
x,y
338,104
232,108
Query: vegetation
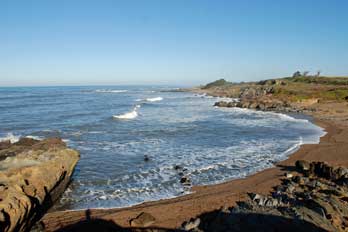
x,y
299,87
217,83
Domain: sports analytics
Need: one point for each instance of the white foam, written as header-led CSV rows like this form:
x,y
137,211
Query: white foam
x,y
154,99
111,91
34,137
129,115
13,138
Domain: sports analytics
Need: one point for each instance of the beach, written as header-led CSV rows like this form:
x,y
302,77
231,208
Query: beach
x,y
171,213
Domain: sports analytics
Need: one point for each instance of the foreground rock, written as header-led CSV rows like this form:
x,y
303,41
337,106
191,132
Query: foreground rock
x,y
317,201
33,174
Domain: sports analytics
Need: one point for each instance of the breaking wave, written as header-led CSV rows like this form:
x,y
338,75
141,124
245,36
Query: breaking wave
x,y
153,99
111,91
10,137
129,115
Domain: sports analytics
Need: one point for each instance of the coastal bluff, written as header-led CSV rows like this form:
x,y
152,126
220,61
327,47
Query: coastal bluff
x,y
33,175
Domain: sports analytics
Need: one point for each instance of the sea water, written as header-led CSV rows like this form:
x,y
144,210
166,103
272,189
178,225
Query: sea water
x,y
179,133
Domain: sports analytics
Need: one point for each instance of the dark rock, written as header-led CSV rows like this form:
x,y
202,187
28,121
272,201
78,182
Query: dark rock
x,y
185,180
5,144
302,165
26,142
315,203
146,158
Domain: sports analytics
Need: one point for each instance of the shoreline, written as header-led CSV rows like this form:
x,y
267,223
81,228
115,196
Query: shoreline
x,y
171,213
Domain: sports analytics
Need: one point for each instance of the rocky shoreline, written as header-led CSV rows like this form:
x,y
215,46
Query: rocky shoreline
x,y
306,192
315,198
201,210
277,106
33,175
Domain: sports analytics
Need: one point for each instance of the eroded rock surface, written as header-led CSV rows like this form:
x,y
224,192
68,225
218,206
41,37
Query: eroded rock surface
x,y
264,105
33,174
314,201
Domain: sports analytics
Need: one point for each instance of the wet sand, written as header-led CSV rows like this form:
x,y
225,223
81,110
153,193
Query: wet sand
x,y
171,213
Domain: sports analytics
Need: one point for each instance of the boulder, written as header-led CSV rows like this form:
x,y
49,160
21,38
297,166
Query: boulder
x,y
142,220
191,225
302,165
32,178
5,144
26,142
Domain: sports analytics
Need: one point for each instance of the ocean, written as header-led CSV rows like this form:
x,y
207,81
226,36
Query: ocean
x,y
137,142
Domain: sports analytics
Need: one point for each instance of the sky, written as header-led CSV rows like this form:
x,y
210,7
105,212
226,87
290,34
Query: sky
x,y
178,42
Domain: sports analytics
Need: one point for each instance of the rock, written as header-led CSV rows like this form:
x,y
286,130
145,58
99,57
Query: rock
x,y
32,178
316,203
302,165
185,180
177,167
225,209
254,196
288,175
192,224
5,144
264,105
26,142
142,220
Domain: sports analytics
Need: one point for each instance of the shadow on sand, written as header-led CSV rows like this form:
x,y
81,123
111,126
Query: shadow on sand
x,y
212,221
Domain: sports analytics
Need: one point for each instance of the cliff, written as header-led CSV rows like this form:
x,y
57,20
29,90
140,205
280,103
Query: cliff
x,y
33,174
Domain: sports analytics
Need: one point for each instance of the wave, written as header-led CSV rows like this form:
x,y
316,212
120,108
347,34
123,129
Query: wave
x,y
129,115
13,138
34,137
153,99
111,91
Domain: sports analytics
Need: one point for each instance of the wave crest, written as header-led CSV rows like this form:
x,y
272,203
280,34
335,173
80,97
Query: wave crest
x,y
153,99
11,137
129,115
111,91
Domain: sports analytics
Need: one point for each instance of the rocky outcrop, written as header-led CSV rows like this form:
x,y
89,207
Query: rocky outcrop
x,y
279,106
251,92
33,174
314,201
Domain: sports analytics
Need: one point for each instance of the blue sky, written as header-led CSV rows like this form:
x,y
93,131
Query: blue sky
x,y
168,42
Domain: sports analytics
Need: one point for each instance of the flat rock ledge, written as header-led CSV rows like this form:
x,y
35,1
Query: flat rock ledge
x,y
263,105
33,175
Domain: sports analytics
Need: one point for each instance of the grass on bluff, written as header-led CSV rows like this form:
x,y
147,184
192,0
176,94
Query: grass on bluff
x,y
319,80
324,88
292,89
217,83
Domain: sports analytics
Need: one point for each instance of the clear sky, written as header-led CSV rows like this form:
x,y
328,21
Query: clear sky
x,y
168,42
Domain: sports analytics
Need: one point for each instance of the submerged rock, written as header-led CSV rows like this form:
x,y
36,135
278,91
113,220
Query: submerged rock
x,y
146,158
33,175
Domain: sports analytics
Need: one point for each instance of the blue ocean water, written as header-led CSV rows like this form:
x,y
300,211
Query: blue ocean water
x,y
180,133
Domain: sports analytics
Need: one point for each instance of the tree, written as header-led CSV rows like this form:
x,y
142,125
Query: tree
x,y
296,74
305,73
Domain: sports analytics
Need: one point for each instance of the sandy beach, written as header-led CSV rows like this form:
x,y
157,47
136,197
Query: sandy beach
x,y
171,213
